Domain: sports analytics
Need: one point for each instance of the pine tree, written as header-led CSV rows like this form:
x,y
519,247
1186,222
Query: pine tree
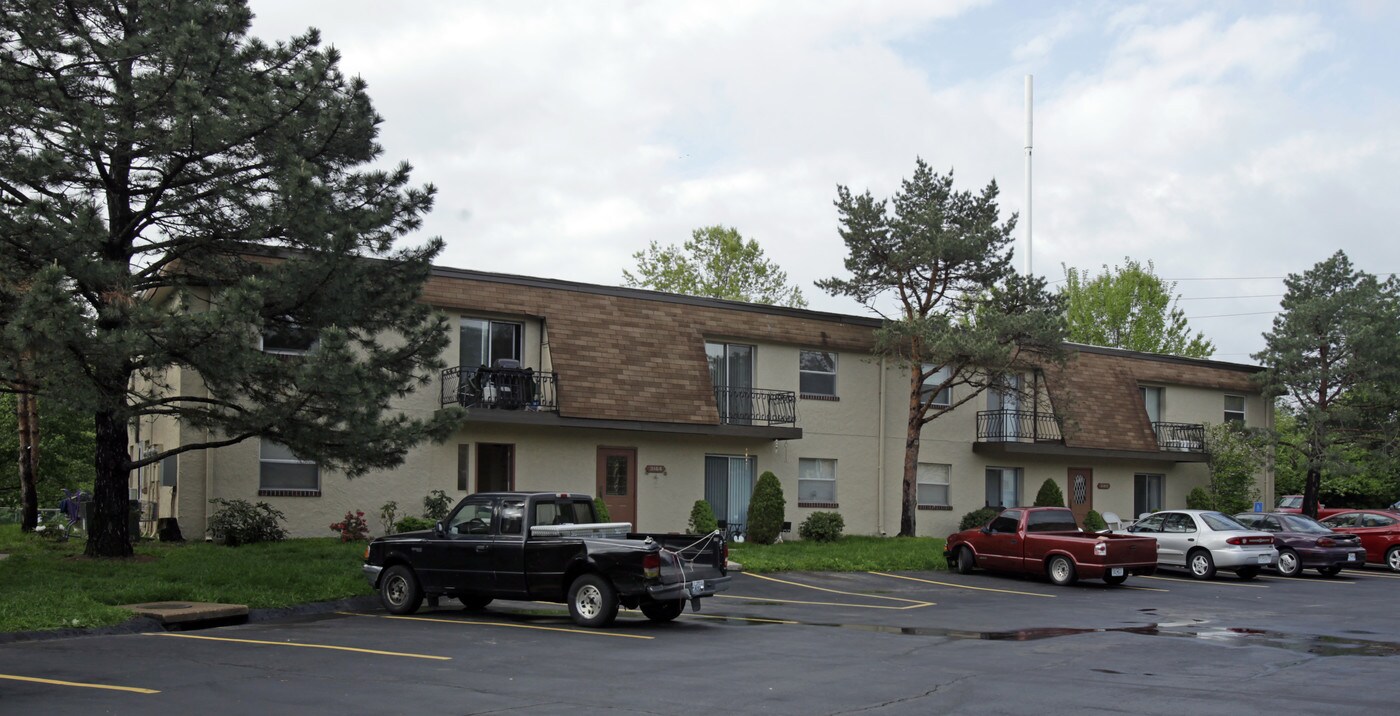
x,y
171,190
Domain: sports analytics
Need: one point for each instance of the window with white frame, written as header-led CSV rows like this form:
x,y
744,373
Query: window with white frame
x,y
1234,408
279,469
933,484
1003,487
484,342
943,398
285,336
817,373
816,481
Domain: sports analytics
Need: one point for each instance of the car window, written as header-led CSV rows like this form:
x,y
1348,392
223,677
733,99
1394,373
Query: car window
x,y
512,516
1220,522
1007,521
1151,524
1376,521
1268,524
1302,523
1178,522
1249,520
474,518
1344,520
1051,521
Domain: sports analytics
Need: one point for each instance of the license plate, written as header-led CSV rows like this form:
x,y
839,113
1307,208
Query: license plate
x,y
1115,571
1351,558
697,586
1263,559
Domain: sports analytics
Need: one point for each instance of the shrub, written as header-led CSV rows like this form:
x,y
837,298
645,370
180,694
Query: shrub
x,y
436,505
1049,495
1093,522
600,510
977,518
387,514
1199,499
413,524
353,527
822,527
702,518
765,518
240,522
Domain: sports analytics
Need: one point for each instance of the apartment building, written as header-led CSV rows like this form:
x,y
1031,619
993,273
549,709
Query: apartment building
x,y
653,401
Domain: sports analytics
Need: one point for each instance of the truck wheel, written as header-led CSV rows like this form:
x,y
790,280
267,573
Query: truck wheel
x,y
964,561
592,601
1288,563
1247,573
399,591
1201,564
1061,570
1110,579
663,611
475,603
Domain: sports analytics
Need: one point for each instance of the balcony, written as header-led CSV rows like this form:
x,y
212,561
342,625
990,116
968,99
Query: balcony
x,y
756,406
1018,426
501,388
1180,437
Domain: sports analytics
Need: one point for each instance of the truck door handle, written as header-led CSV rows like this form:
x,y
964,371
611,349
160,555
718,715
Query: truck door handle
x,y
481,548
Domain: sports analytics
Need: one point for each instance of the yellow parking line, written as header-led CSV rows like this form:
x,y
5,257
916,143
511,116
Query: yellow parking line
x,y
304,646
746,619
915,605
1143,589
509,625
837,591
1371,573
79,684
1203,581
964,586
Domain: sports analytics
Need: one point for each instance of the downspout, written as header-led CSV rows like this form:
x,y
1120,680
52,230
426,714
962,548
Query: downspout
x,y
208,481
880,454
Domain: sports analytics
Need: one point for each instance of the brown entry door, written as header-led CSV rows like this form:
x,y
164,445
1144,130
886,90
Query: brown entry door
x,y
617,483
1081,492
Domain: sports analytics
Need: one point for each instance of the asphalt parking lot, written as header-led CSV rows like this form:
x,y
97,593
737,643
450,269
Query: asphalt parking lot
x,y
795,643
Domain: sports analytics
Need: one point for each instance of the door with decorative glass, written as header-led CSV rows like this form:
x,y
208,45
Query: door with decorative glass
x,y
617,483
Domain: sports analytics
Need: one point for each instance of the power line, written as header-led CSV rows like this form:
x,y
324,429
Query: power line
x,y
1213,298
1230,315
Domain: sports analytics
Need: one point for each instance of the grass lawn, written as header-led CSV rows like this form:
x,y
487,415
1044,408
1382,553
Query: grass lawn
x,y
848,554
50,585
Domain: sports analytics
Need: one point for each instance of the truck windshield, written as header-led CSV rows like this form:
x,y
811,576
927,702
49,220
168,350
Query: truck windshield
x,y
563,513
1291,501
1051,521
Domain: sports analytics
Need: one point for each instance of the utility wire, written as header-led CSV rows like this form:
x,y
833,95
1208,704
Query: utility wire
x,y
1229,315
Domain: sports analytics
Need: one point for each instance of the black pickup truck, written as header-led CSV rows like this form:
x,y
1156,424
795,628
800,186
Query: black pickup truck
x,y
545,546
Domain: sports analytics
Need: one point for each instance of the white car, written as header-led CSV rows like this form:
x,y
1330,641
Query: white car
x,y
1203,541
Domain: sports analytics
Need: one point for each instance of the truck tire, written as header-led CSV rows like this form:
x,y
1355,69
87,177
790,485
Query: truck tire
x,y
964,562
663,611
475,603
399,591
1061,570
592,601
1112,580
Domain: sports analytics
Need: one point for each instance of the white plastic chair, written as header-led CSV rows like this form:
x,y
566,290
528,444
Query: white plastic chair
x,y
1113,521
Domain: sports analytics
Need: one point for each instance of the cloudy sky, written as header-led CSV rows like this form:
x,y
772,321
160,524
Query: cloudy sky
x,y
1230,143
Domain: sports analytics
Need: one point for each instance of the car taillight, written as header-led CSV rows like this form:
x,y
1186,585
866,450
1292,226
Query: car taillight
x,y
651,565
1326,542
1249,540
1101,548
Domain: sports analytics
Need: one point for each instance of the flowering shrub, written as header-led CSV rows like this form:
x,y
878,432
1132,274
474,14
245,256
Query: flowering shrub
x,y
353,527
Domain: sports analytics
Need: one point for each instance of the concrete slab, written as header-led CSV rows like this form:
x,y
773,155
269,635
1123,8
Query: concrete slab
x,y
186,613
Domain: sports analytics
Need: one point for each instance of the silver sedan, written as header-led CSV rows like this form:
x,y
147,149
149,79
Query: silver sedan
x,y
1203,541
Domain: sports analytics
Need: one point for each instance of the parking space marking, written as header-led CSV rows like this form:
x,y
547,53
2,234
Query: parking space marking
x,y
331,647
915,605
849,594
78,684
509,625
1202,581
742,619
1143,589
964,586
1368,574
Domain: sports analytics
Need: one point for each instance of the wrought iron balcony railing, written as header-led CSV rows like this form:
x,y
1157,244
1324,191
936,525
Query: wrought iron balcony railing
x,y
1180,437
503,388
756,406
1018,426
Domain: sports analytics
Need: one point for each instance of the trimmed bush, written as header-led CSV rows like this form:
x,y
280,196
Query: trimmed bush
x,y
600,510
1093,522
1050,495
436,505
702,518
977,518
822,527
765,519
413,524
1199,499
241,522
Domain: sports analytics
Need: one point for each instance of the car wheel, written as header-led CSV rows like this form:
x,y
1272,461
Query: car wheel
x,y
1329,571
1115,580
592,601
1247,573
399,591
1201,564
475,603
663,611
1061,570
1392,559
1288,563
965,561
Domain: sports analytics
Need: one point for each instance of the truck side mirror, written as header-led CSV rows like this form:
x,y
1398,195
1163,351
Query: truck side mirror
x,y
438,529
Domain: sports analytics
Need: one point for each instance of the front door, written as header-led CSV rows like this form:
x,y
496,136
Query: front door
x,y
1081,492
617,483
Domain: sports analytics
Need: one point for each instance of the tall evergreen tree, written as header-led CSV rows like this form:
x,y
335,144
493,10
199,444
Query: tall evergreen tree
x,y
1130,307
716,262
171,192
965,318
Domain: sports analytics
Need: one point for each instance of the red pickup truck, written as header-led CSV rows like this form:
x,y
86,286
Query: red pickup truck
x,y
1294,504
1046,540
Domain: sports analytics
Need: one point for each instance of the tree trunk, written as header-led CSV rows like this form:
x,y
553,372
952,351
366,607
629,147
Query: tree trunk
x,y
909,501
1310,490
108,535
26,407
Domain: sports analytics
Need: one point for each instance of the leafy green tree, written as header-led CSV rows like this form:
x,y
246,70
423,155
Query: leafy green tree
x,y
66,442
964,318
766,510
715,262
1130,307
171,191
1361,476
1049,495
1234,457
1332,355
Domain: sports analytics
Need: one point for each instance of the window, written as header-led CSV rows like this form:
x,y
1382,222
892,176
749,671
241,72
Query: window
x,y
281,472
943,398
1152,400
1220,522
729,481
284,336
464,468
1370,520
1179,523
933,484
484,342
473,519
512,516
562,513
1234,408
1003,487
169,471
1347,520
816,482
1051,521
1007,521
495,467
1147,493
1151,524
816,372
